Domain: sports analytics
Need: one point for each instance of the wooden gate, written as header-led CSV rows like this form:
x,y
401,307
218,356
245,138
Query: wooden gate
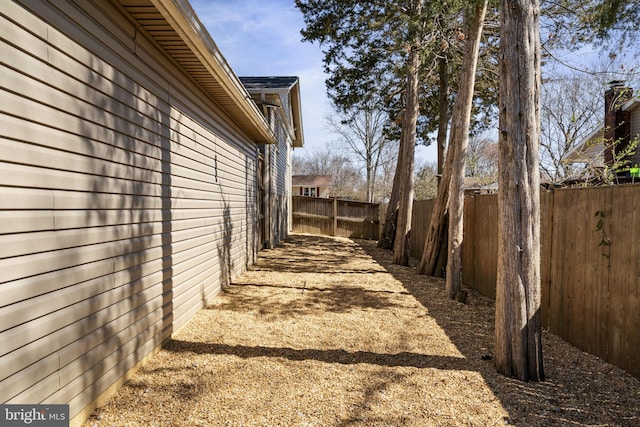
x,y
333,217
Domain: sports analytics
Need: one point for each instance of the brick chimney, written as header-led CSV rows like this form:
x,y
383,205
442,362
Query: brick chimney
x,y
617,123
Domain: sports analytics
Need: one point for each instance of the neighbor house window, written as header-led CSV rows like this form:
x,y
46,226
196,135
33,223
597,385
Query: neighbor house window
x,y
309,191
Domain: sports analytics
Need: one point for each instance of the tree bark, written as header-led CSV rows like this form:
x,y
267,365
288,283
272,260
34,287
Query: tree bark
x,y
407,148
443,111
460,138
388,237
518,344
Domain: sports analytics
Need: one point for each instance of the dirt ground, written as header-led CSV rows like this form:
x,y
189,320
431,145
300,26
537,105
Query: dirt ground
x,y
328,332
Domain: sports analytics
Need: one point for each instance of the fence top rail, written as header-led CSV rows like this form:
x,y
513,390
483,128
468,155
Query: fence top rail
x,y
595,187
358,202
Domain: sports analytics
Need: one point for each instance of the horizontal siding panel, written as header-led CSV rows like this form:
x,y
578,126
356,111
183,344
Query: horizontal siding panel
x,y
144,321
85,314
120,117
41,178
94,52
186,310
15,13
45,387
146,157
201,243
29,287
14,385
180,218
32,40
92,363
125,286
72,80
33,243
18,175
189,199
23,199
81,393
36,242
30,265
21,221
126,196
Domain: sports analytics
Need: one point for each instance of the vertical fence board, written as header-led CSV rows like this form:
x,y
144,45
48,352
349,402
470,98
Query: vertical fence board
x,y
312,215
595,265
486,253
578,303
577,213
468,244
558,319
420,218
336,217
546,241
590,292
633,325
620,219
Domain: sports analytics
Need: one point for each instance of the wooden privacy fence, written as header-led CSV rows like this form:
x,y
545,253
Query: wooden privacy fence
x,y
590,264
333,217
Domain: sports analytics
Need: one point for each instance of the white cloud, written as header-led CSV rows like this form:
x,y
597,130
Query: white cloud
x,y
262,38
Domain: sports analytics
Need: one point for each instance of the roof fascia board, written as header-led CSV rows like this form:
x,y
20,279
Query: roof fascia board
x,y
296,110
578,149
184,21
630,104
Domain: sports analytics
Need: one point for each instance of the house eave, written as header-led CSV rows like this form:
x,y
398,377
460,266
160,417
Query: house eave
x,y
296,108
581,152
175,27
254,86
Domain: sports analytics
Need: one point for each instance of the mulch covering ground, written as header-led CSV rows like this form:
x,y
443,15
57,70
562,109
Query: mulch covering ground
x,y
328,332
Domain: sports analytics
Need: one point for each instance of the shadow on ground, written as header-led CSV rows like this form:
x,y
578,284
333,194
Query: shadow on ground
x,y
578,390
315,310
340,356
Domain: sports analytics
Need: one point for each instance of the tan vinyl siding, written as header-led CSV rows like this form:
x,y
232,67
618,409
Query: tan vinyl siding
x,y
278,158
282,177
281,187
127,199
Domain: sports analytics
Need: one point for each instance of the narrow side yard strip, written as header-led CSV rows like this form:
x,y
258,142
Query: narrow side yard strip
x,y
327,332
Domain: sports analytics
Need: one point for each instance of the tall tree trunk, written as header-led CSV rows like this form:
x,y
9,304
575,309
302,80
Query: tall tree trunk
x,y
460,138
407,147
370,181
437,224
443,111
388,235
518,343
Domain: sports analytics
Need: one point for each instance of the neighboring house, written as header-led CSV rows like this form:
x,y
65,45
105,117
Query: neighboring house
x,y
480,185
311,185
279,100
621,125
130,166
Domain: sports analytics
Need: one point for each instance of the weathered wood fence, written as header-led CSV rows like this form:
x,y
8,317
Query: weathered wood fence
x,y
335,217
590,264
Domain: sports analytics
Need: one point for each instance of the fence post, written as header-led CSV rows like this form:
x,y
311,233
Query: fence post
x,y
335,218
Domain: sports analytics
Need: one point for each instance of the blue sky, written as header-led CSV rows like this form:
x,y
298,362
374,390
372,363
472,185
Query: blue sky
x,y
262,38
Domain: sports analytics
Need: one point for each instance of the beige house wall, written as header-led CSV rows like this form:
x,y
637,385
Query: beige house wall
x,y
298,190
127,199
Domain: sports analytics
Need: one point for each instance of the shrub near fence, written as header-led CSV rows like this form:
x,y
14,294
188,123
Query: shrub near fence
x,y
333,217
590,264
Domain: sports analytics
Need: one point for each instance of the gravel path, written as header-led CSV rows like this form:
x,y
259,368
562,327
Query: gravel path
x,y
327,332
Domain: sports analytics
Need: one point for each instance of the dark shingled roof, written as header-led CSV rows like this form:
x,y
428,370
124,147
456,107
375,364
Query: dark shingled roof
x,y
311,180
268,82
